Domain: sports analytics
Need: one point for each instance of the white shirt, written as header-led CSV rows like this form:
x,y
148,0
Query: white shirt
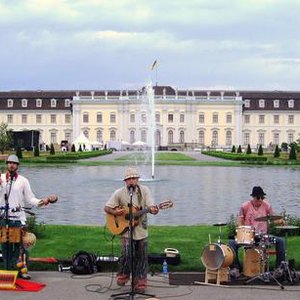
x,y
19,195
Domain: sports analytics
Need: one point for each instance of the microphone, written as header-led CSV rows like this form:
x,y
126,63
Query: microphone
x,y
131,188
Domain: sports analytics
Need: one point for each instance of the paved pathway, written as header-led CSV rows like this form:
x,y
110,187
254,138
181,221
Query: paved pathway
x,y
66,286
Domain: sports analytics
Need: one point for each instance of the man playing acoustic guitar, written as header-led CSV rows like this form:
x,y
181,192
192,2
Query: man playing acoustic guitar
x,y
116,206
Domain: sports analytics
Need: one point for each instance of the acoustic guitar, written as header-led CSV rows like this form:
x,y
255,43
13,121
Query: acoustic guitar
x,y
119,224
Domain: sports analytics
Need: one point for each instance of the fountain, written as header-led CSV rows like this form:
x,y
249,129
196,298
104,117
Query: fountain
x,y
147,143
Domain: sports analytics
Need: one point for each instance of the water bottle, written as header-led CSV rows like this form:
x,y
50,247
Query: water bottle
x,y
165,268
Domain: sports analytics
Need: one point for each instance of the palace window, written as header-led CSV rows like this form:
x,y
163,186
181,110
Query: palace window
x,y
24,102
201,118
181,137
201,138
276,103
261,119
157,117
170,118
10,103
53,103
67,102
67,118
291,119
53,119
112,135
228,138
215,118
132,118
276,119
261,103
276,138
170,137
38,102
10,119
291,103
99,136
24,119
261,138
246,138
181,118
85,117
38,119
246,119
99,117
112,118
228,118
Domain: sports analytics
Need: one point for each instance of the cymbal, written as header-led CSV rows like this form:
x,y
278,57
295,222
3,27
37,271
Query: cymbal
x,y
287,227
220,224
268,218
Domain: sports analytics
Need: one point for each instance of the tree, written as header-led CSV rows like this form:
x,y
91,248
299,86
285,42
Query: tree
x,y
239,150
19,152
233,149
36,151
73,148
5,137
249,149
52,150
277,152
260,150
293,154
80,149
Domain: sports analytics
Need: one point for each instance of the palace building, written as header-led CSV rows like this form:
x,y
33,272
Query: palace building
x,y
184,119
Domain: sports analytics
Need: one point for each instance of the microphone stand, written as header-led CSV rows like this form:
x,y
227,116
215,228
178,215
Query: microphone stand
x,y
6,217
132,293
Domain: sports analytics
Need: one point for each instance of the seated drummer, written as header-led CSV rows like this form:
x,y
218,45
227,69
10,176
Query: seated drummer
x,y
257,207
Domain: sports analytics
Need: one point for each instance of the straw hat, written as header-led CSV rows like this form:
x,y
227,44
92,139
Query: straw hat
x,y
28,239
131,173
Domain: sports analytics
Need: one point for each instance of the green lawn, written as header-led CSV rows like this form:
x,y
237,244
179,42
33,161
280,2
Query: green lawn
x,y
62,241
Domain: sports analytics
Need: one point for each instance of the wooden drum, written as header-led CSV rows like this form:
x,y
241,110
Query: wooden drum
x,y
10,234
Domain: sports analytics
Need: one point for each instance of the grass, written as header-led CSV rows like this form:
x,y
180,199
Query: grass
x,y
62,241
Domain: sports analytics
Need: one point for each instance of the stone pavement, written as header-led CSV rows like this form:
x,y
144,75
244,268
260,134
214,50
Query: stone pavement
x,y
65,286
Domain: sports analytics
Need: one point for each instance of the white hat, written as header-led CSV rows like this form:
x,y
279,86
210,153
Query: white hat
x,y
131,173
13,158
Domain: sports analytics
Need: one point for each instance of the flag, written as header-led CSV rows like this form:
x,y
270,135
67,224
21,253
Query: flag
x,y
154,64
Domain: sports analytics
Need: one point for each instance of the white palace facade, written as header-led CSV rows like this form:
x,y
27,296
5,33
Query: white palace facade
x,y
190,118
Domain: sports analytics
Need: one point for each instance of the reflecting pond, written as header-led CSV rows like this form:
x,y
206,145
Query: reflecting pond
x,y
201,195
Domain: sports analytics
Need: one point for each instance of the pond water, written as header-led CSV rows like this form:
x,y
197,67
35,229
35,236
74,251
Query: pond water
x,y
201,195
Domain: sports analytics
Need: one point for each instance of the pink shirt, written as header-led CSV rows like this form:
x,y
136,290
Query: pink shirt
x,y
248,213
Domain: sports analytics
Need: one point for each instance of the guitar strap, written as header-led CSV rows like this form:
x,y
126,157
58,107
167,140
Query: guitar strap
x,y
142,204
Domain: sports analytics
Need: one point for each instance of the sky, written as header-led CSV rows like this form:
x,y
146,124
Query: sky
x,y
111,44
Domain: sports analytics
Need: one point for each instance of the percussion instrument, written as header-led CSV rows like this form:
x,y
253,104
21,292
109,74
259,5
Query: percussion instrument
x,y
216,256
245,235
253,262
268,218
10,234
28,240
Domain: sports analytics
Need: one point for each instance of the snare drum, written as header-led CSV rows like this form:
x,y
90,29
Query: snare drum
x,y
10,234
253,263
245,235
216,256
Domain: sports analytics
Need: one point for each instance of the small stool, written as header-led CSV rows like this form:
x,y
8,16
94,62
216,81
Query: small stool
x,y
220,275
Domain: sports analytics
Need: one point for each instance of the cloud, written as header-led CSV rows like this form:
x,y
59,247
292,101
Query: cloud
x,y
197,42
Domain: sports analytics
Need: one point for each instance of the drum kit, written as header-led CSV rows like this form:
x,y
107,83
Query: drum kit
x,y
256,260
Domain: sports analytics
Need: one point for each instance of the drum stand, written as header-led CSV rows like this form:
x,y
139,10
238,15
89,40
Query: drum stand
x,y
284,265
265,276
